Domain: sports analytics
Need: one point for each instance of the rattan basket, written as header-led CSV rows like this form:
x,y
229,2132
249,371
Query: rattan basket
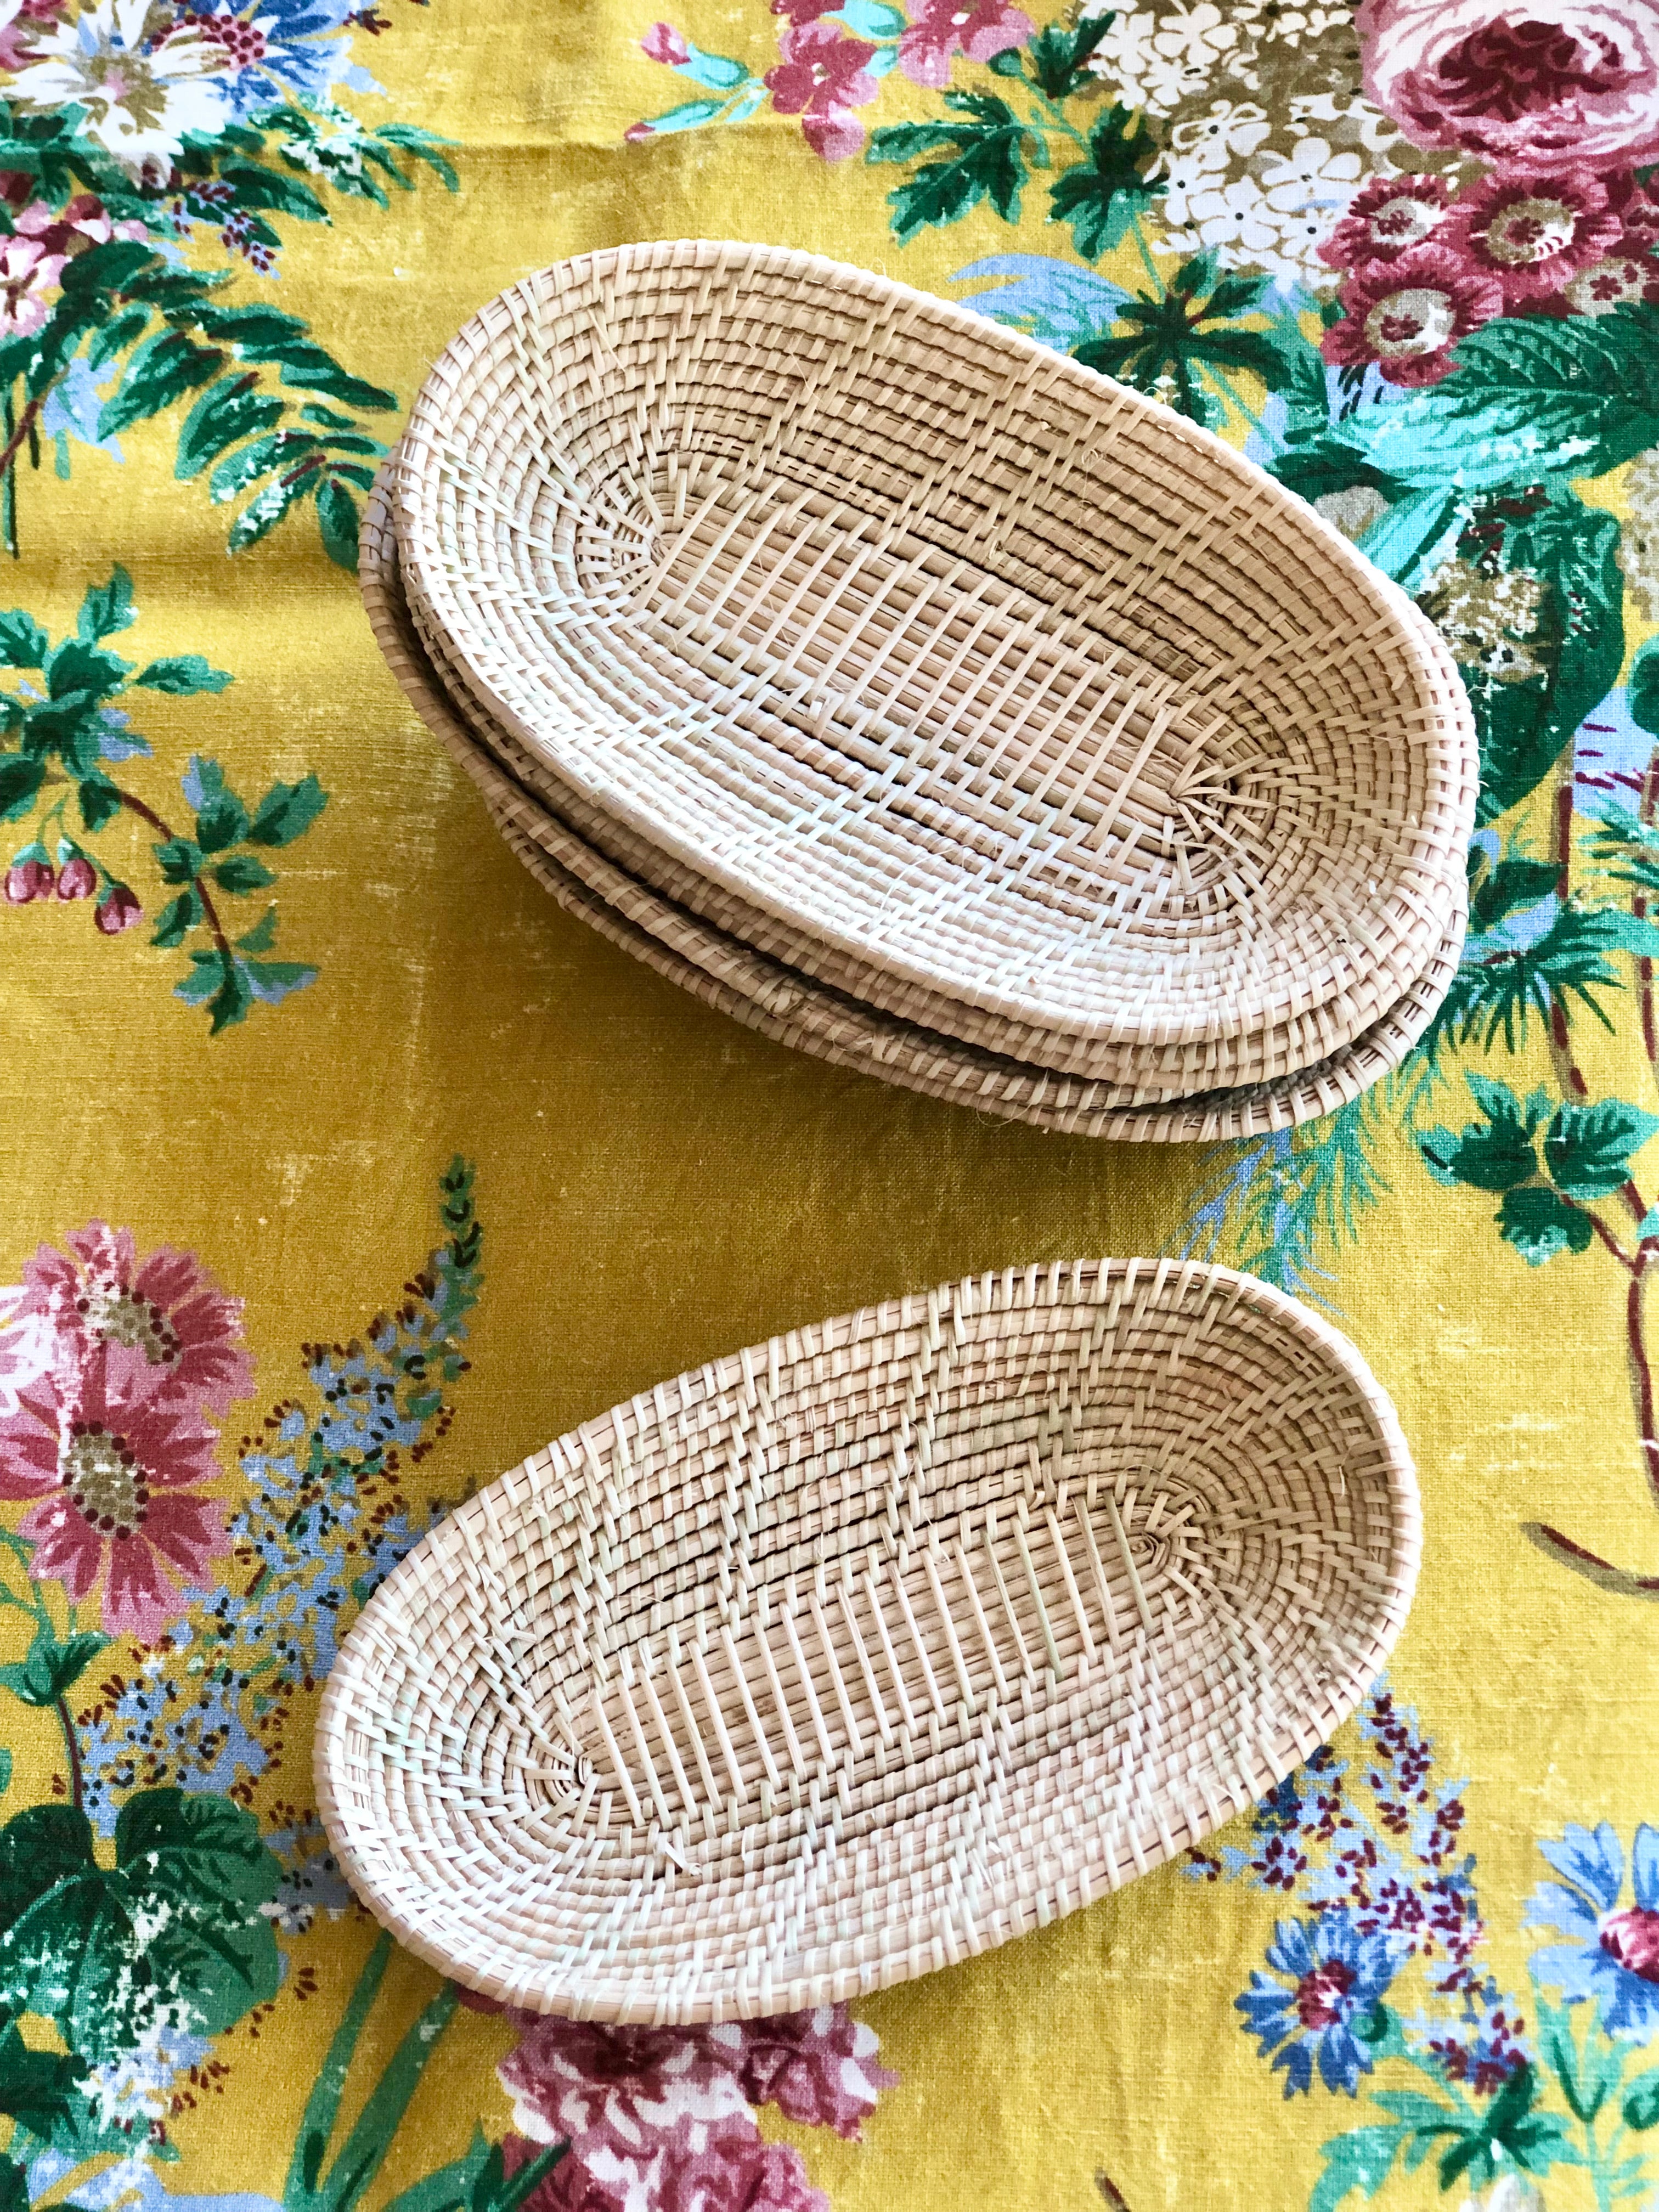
x,y
866,1650
1144,1073
1022,707
795,1010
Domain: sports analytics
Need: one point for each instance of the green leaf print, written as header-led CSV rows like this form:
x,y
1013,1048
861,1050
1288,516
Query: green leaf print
x,y
1540,1224
988,154
1530,397
1101,197
1587,1149
37,2089
52,1667
173,1930
1495,1154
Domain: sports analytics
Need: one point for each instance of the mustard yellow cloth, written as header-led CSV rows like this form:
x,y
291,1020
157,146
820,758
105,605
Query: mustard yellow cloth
x,y
1429,1969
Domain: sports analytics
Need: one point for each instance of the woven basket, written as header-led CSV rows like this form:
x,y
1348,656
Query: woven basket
x,y
1038,710
794,1009
867,1649
1145,1074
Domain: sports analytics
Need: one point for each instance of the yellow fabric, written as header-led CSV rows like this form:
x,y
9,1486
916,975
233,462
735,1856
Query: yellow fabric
x,y
657,1185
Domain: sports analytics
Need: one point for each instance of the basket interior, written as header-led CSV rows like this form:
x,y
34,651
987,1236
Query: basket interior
x,y
942,644
704,1706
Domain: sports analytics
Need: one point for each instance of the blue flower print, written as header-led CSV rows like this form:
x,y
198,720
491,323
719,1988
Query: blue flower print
x,y
275,48
1613,1951
1337,1976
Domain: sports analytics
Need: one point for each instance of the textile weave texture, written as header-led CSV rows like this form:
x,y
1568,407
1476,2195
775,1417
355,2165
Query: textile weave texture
x,y
344,1170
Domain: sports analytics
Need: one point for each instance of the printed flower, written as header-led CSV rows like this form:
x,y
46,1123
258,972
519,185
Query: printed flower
x,y
663,43
652,2118
117,910
1612,1955
1527,83
1408,315
1385,219
820,78
1488,618
1227,130
1618,282
1638,532
1233,219
666,2112
28,274
1307,188
1533,233
1337,1977
28,880
111,1457
139,101
21,23
77,878
1156,59
939,28
274,49
27,1348
732,2173
165,1307
817,2067
69,230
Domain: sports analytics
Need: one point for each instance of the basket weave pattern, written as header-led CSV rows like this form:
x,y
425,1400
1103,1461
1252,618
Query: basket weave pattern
x,y
936,667
726,972
872,1647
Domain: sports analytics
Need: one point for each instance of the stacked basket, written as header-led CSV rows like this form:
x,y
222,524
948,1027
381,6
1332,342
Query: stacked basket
x,y
925,701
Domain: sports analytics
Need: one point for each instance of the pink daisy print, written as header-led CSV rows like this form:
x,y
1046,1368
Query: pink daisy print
x,y
1533,233
1408,315
1385,219
113,1458
165,1307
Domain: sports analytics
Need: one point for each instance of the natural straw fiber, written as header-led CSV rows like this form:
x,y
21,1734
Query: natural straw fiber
x,y
796,1010
861,1651
1024,708
1145,1074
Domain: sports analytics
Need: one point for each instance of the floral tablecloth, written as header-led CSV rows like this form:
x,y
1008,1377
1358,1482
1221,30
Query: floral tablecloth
x,y
342,1168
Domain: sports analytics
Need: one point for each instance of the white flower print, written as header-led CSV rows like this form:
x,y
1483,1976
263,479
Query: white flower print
x,y
1156,60
1227,130
138,104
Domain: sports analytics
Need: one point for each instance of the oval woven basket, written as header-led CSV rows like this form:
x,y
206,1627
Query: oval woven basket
x,y
867,1649
997,679
1142,1074
792,1009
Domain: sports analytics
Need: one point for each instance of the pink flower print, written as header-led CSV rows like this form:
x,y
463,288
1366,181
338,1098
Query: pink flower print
x,y
820,78
663,43
1534,233
165,1307
28,880
112,1461
1408,315
662,2117
652,2120
24,26
1527,83
1618,282
28,274
818,2067
804,11
1385,219
77,878
28,1351
940,28
117,910
733,2172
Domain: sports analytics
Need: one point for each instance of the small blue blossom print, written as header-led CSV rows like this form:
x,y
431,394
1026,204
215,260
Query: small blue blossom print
x,y
1337,1977
1611,1955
